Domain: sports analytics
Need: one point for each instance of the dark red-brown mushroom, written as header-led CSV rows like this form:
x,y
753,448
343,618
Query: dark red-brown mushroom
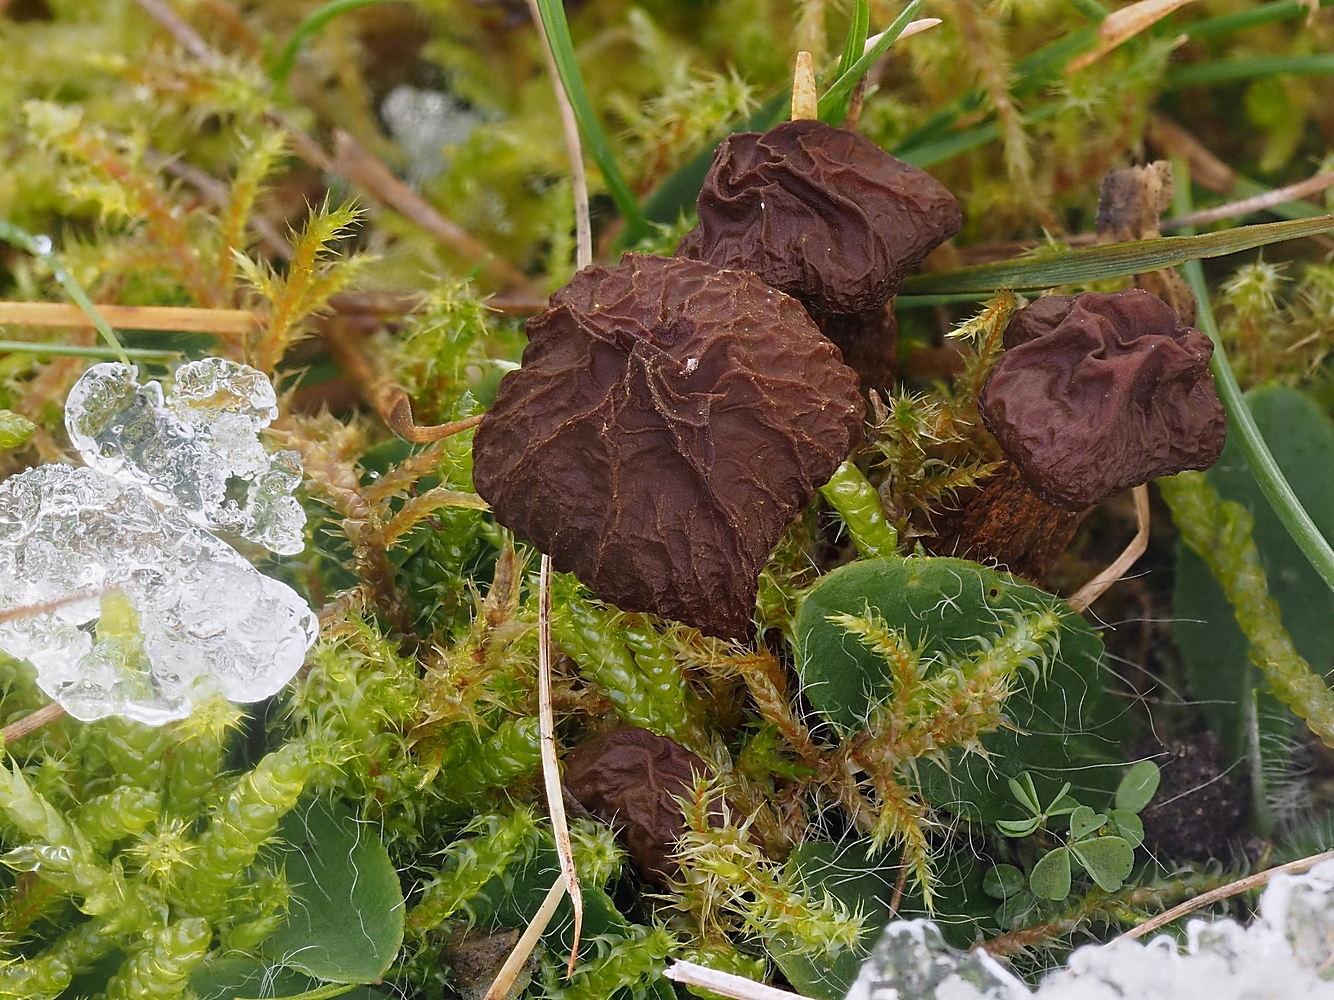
x,y
630,779
1099,393
669,420
829,217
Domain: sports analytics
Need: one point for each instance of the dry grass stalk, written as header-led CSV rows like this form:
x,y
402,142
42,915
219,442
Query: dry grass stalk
x,y
31,723
518,958
1122,25
805,100
1293,192
224,322
1256,881
724,983
1096,587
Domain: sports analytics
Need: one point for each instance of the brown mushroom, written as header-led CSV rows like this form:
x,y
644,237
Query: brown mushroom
x,y
829,217
669,420
1099,393
630,779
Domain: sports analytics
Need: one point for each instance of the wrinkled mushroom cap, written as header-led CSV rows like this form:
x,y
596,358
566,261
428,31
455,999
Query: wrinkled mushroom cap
x,y
1099,393
821,213
669,420
629,779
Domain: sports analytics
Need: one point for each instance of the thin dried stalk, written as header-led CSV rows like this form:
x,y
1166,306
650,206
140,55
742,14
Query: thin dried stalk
x,y
724,983
1293,192
1236,888
546,714
1096,587
1121,25
509,972
224,322
44,716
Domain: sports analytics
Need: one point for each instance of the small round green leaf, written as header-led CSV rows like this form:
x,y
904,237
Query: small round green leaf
x,y
1051,875
1003,881
1108,859
1127,826
1084,821
1015,909
1137,787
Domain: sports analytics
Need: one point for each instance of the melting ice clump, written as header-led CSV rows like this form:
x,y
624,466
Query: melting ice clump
x,y
199,448
172,614
1285,954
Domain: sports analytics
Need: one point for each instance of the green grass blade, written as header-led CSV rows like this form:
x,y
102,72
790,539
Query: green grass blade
x,y
1249,67
562,48
1117,260
1240,421
961,142
41,247
839,91
1268,13
1092,9
853,46
83,351
312,25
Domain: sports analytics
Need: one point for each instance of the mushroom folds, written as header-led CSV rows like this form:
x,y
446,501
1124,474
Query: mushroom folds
x,y
821,213
1099,393
669,420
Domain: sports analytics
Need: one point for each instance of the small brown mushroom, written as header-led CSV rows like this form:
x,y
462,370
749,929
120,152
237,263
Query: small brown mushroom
x,y
630,779
829,217
669,420
1099,393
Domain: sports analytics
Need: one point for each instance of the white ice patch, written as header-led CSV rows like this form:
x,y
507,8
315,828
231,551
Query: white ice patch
x,y
1286,954
195,447
200,618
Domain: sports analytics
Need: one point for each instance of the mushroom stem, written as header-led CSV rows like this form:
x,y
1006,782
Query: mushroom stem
x,y
805,102
869,342
1095,588
1005,523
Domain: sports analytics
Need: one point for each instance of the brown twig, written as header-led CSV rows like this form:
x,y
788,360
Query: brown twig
x,y
44,716
1236,888
373,177
355,164
1293,192
225,322
1095,588
216,193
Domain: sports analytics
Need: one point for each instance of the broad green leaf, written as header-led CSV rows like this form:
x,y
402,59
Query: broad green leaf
x,y
1114,261
345,923
1050,878
1108,859
1252,725
1137,788
866,883
1084,821
1127,825
1065,726
240,977
1003,881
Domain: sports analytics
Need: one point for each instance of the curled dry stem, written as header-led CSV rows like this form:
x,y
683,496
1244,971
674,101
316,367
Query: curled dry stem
x,y
1096,587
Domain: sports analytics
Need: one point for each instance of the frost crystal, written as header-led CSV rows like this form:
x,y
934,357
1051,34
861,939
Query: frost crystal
x,y
199,448
152,614
1286,954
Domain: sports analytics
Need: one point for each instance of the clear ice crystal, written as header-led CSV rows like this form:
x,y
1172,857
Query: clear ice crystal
x,y
1286,954
147,614
198,448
